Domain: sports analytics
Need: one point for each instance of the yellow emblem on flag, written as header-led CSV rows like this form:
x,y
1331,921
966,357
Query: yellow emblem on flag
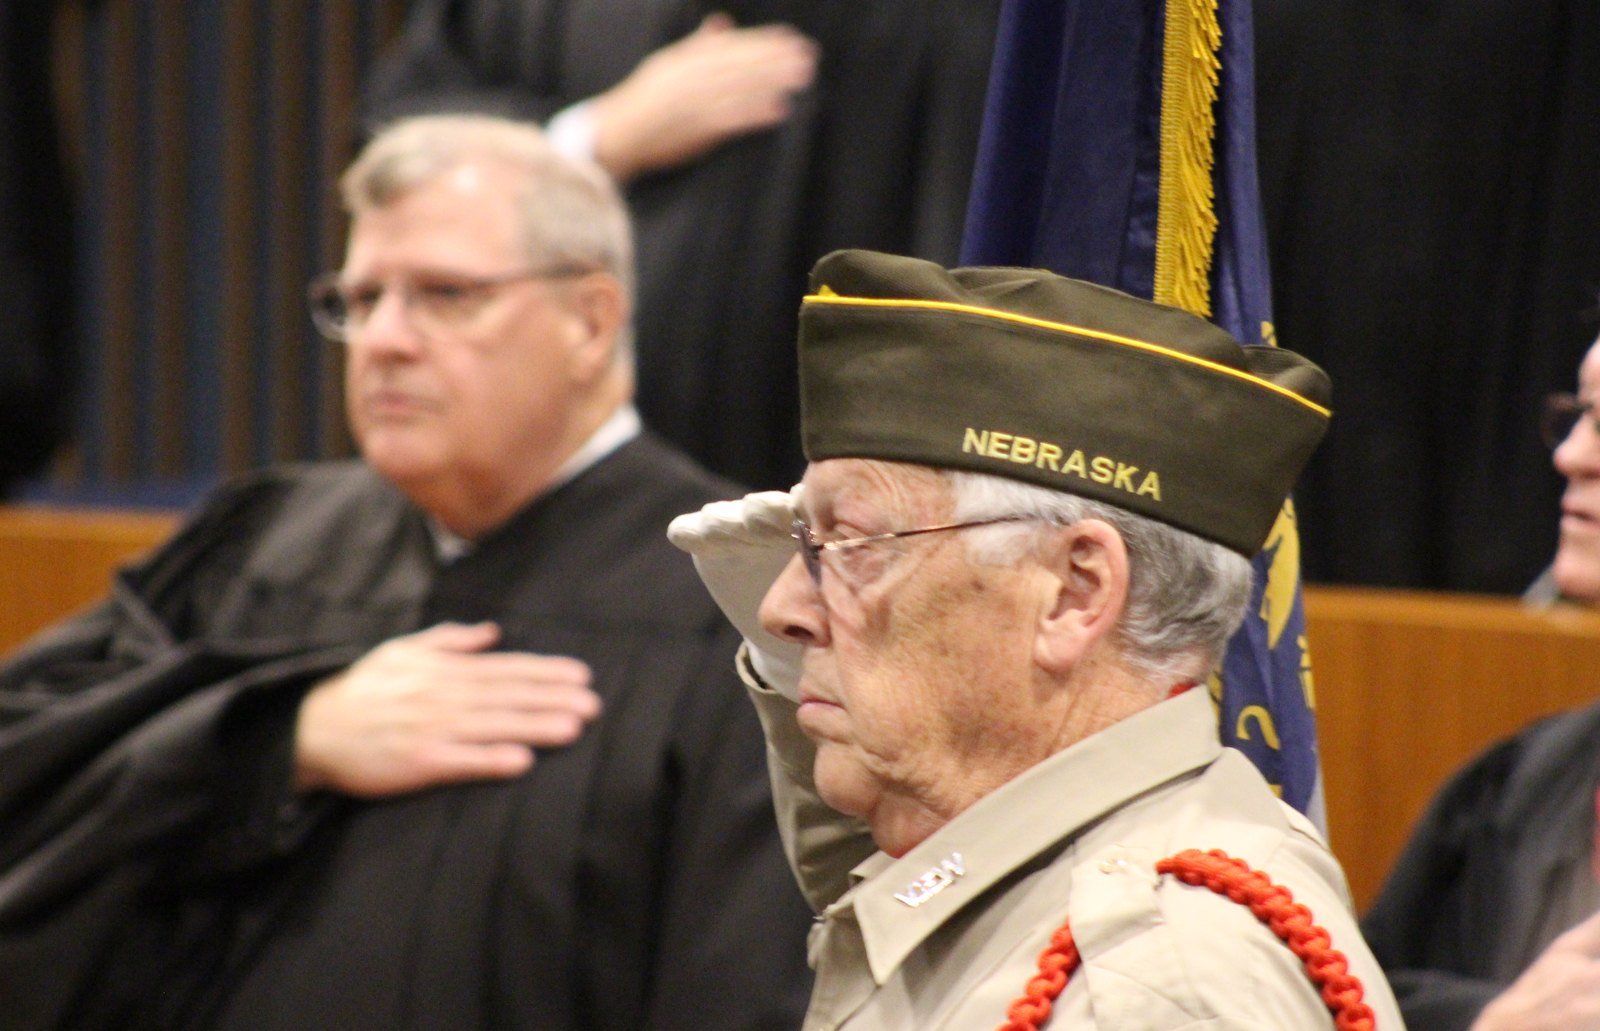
x,y
1277,600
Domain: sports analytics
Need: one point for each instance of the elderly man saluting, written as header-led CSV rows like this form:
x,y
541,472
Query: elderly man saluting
x,y
1024,539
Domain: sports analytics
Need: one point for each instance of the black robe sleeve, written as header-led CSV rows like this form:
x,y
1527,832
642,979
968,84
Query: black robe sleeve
x,y
724,864
1499,865
129,754
157,872
1425,928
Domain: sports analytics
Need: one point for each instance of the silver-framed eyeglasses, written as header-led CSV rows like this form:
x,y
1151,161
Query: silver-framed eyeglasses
x,y
1562,412
435,302
811,549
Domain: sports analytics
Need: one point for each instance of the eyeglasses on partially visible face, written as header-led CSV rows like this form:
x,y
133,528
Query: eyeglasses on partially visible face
x,y
437,302
811,549
1561,414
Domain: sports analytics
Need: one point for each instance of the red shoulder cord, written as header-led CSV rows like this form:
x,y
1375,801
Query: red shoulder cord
x,y
1272,904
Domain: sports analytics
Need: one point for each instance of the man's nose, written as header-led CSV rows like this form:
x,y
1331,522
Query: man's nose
x,y
793,609
1579,455
388,328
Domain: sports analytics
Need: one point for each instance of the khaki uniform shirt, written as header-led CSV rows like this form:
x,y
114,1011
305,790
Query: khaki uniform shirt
x,y
946,937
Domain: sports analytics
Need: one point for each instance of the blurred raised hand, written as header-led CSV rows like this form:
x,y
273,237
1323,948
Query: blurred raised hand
x,y
716,83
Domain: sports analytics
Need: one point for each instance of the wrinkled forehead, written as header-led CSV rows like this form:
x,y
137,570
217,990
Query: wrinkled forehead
x,y
869,491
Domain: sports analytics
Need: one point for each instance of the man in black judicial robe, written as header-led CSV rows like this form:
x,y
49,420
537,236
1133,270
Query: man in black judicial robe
x,y
1501,865
285,776
876,152
1490,919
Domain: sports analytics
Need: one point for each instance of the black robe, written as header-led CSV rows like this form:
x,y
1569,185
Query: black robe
x,y
1487,880
878,154
156,871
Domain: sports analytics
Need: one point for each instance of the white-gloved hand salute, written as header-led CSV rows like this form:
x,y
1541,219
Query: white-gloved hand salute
x,y
739,548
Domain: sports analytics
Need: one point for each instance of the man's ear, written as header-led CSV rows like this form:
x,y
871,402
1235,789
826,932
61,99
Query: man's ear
x,y
599,311
1088,580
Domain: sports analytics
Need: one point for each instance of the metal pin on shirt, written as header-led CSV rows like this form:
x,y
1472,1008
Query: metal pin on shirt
x,y
933,881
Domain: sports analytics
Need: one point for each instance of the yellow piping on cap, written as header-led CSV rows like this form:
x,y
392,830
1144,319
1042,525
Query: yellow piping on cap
x,y
885,302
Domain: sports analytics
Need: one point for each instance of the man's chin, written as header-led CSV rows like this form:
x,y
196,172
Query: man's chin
x,y
842,783
1577,572
399,450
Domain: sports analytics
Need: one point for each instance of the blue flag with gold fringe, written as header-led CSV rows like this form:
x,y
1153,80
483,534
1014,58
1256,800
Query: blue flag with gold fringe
x,y
1118,146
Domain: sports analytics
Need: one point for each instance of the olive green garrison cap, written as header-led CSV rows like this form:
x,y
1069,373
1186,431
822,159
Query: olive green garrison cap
x,y
1057,382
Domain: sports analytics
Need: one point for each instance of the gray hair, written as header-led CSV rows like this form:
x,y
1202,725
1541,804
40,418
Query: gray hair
x,y
570,210
1186,595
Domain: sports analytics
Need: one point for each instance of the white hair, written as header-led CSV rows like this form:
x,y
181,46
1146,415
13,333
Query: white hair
x,y
571,213
1186,595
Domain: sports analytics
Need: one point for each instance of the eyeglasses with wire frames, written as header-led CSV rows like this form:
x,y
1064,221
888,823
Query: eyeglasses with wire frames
x,y
1562,412
811,549
437,302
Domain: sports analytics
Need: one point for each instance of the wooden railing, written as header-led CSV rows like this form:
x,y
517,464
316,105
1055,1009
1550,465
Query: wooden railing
x,y
1408,685
54,562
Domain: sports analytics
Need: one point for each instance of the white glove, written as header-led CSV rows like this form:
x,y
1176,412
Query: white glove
x,y
739,548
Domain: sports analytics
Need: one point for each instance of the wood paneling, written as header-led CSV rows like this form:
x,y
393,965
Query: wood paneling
x,y
168,248
337,91
1410,685
288,339
54,562
206,139
116,290
241,92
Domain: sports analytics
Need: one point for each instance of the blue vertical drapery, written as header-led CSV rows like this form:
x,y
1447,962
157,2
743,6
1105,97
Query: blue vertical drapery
x,y
204,137
1078,156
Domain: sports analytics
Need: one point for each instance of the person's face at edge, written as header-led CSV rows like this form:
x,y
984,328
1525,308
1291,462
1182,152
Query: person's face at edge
x,y
1577,564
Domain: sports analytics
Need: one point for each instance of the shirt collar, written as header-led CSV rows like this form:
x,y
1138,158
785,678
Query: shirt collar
x,y
1020,819
616,431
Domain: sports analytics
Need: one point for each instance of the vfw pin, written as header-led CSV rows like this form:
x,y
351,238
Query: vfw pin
x,y
933,881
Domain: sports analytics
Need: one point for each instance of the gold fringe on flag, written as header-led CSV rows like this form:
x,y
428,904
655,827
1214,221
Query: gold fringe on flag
x,y
1187,223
